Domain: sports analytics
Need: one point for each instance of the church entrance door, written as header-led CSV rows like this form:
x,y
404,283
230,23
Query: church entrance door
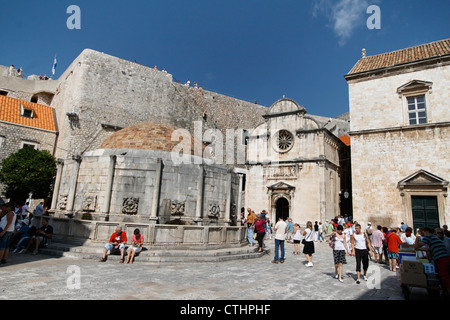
x,y
282,209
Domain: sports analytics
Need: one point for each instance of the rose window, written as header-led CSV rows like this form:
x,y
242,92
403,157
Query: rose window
x,y
284,140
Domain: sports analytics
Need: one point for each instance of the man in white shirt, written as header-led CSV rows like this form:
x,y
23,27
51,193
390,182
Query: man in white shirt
x,y
25,211
280,235
408,237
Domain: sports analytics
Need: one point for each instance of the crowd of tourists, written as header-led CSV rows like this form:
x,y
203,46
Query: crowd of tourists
x,y
347,238
18,230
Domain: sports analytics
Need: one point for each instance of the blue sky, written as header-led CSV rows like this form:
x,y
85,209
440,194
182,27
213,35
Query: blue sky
x,y
248,49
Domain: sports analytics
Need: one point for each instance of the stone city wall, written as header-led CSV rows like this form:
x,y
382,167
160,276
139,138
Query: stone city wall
x,y
101,89
24,89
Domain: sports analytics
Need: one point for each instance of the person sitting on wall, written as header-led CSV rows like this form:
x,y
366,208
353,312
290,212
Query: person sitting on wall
x,y
116,244
42,237
20,233
138,241
23,243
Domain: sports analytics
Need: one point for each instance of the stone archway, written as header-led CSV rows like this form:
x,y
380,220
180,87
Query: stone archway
x,y
280,198
282,207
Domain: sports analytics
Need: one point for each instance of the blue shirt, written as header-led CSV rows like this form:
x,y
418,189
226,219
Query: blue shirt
x,y
290,227
24,231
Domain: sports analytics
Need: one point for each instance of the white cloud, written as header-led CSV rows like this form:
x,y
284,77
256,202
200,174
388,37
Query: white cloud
x,y
344,15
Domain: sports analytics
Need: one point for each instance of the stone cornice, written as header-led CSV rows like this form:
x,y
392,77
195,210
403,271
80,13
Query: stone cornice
x,y
400,128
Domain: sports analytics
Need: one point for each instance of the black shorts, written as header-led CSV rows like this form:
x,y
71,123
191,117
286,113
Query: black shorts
x,y
296,241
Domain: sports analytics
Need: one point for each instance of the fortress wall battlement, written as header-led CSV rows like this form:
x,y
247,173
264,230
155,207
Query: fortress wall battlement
x,y
100,90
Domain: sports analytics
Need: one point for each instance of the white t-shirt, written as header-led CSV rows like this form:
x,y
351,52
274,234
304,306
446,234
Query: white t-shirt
x,y
408,240
4,222
298,235
281,227
360,241
24,210
308,235
348,232
339,243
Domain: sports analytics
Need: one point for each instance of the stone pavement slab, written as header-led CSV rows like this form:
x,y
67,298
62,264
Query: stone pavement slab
x,y
30,277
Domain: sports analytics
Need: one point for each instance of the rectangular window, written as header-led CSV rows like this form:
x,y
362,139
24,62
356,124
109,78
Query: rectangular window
x,y
417,110
29,144
27,113
245,137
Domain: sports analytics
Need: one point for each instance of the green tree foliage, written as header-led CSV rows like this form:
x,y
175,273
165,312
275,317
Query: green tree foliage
x,y
28,170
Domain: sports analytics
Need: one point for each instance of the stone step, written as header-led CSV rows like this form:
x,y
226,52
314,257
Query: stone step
x,y
94,251
156,250
156,259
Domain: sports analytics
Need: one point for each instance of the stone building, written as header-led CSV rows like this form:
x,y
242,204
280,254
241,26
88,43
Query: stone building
x,y
297,165
25,124
399,129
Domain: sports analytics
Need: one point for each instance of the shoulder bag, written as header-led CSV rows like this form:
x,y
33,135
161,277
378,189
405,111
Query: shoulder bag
x,y
332,243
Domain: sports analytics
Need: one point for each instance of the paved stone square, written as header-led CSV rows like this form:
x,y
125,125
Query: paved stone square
x,y
29,277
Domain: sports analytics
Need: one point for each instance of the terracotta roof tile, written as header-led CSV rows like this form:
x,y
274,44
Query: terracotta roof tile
x,y
42,115
390,59
147,136
345,139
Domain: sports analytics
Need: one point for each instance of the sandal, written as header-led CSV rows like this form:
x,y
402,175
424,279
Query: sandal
x,y
121,260
102,259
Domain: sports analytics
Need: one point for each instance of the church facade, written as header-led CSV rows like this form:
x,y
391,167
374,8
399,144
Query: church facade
x,y
296,165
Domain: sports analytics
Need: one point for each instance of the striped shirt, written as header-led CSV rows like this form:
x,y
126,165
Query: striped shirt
x,y
377,239
436,245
